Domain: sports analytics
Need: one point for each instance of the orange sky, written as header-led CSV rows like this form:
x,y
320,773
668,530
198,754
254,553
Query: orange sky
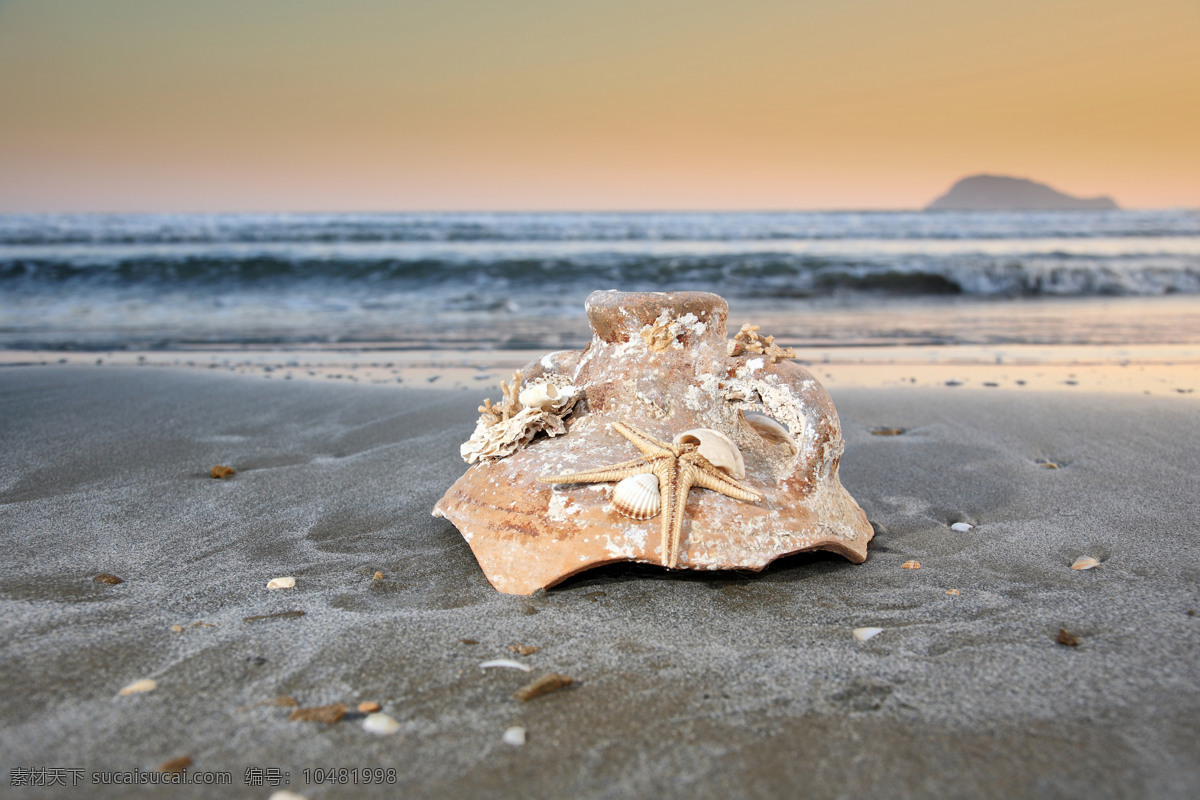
x,y
144,105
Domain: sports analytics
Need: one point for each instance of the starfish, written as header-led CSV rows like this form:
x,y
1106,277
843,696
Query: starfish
x,y
678,468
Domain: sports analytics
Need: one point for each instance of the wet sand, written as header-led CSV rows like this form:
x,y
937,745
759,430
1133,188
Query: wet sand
x,y
714,685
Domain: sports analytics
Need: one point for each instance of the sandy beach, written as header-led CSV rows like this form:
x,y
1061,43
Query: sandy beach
x,y
715,685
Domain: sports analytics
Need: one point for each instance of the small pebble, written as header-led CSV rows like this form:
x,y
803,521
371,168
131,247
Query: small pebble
x,y
911,564
469,641
378,576
281,583
327,714
1085,562
515,736
369,707
175,764
137,687
220,471
523,649
952,591
863,634
528,610
543,685
381,724
1067,638
887,431
961,527
176,629
110,579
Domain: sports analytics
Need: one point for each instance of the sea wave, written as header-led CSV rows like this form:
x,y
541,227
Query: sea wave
x,y
98,229
755,274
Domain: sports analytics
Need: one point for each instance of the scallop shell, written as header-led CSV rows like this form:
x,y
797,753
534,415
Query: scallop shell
x,y
1085,562
637,496
544,396
718,448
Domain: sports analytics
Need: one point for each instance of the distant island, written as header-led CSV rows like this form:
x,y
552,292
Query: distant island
x,y
998,193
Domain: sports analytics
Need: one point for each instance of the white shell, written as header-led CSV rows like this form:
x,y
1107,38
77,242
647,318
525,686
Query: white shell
x,y
718,448
863,634
515,736
137,687
507,663
637,496
961,527
1085,562
380,723
281,583
769,428
544,396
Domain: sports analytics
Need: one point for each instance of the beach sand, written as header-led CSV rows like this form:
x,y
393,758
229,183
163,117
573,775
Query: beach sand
x,y
685,685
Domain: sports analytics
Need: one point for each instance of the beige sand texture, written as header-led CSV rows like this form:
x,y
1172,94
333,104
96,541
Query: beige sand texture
x,y
685,685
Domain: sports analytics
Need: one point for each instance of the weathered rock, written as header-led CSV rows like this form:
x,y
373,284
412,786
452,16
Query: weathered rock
x,y
659,362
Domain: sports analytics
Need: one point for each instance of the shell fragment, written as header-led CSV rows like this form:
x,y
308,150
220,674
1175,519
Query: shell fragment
x,y
863,634
504,662
138,687
380,723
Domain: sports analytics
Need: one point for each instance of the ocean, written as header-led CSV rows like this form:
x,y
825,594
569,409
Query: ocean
x,y
455,280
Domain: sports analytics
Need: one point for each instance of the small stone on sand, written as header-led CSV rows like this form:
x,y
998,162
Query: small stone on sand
x,y
281,583
176,629
110,579
961,527
911,564
515,736
1085,562
1067,638
523,649
543,685
863,634
378,576
327,714
381,724
952,591
221,471
175,764
369,707
887,431
138,687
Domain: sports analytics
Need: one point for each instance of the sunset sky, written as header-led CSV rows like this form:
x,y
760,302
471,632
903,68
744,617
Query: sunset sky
x,y
292,105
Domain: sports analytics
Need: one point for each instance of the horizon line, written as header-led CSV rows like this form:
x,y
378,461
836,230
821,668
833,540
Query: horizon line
x,y
609,211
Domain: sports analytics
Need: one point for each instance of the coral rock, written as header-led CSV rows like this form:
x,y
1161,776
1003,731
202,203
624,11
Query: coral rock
x,y
660,362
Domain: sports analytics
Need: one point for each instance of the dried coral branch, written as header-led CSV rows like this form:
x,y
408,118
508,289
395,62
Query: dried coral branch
x,y
506,427
747,340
